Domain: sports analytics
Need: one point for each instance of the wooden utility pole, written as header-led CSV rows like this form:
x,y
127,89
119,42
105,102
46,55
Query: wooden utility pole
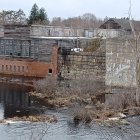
x,y
136,50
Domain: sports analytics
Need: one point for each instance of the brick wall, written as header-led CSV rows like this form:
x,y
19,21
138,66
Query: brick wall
x,y
27,67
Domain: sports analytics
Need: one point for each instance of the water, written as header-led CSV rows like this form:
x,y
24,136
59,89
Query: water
x,y
14,102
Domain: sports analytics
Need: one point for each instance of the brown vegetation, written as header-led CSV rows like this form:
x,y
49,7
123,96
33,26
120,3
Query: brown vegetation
x,y
67,93
120,101
44,118
93,44
87,20
88,105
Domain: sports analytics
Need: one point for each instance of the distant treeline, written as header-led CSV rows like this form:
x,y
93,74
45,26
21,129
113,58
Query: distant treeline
x,y
39,16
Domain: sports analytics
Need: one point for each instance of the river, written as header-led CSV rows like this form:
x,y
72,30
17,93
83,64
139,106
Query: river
x,y
15,102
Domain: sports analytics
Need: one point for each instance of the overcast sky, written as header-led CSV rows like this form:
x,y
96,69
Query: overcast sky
x,y
71,8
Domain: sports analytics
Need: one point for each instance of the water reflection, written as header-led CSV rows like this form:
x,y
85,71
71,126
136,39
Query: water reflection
x,y
13,100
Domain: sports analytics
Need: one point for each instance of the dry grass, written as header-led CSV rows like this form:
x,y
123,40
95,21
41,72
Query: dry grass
x,y
93,45
120,101
83,92
66,92
48,86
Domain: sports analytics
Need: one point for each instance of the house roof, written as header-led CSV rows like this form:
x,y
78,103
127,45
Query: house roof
x,y
125,23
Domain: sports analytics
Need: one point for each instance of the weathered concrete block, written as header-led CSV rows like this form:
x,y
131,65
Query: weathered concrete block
x,y
120,62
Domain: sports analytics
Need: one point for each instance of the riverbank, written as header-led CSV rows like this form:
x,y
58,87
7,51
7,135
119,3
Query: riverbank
x,y
15,102
88,108
83,102
87,99
39,118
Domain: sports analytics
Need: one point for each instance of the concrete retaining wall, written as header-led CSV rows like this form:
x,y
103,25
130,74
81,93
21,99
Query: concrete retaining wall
x,y
121,62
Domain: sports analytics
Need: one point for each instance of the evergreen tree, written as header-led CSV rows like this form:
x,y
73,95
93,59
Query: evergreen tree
x,y
43,16
34,15
38,16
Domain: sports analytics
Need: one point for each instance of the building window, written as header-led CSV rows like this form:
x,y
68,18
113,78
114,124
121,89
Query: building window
x,y
19,54
27,68
2,67
6,67
50,71
18,68
14,68
10,68
22,68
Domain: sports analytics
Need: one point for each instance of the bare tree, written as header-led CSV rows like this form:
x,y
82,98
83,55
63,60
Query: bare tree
x,y
56,21
13,17
47,86
88,20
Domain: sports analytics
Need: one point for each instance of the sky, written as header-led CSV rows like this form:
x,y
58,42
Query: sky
x,y
72,8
